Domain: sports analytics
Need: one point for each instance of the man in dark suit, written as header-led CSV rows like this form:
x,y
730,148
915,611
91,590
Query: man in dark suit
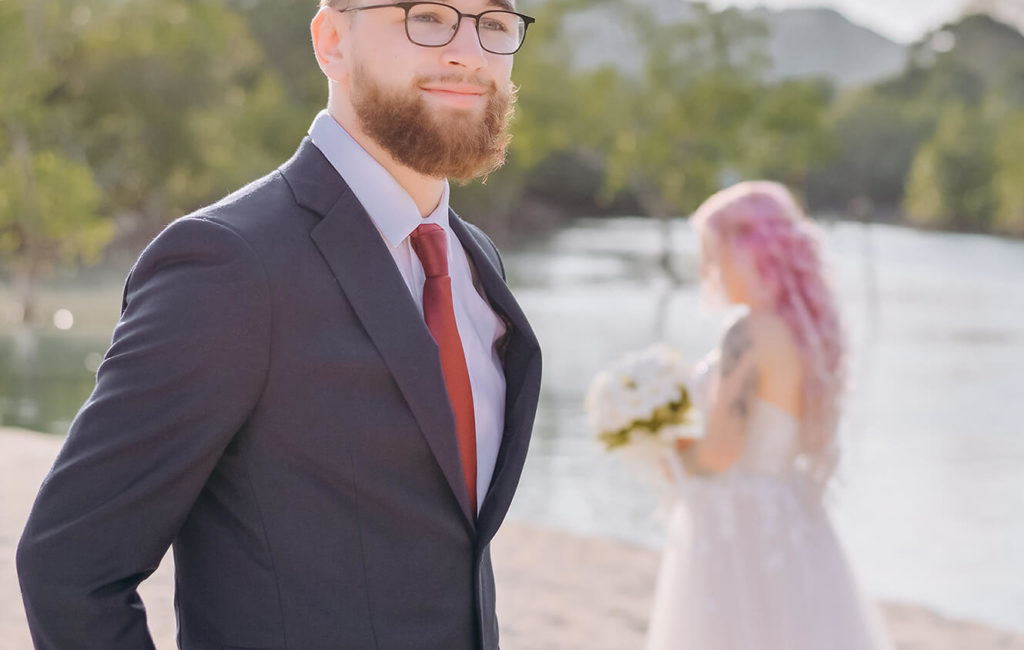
x,y
320,391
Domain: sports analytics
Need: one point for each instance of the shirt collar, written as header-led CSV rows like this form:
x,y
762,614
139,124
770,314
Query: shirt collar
x,y
390,207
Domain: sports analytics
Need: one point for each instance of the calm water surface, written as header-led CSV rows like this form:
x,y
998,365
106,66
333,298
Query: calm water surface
x,y
930,501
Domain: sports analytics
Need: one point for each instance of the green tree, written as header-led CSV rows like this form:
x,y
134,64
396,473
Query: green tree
x,y
682,125
1007,183
281,28
174,106
680,122
48,216
887,139
789,132
875,137
49,201
950,183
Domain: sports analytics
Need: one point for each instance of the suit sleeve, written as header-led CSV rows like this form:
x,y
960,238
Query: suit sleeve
x,y
186,366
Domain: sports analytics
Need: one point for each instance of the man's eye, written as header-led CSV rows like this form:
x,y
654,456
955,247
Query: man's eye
x,y
426,17
494,25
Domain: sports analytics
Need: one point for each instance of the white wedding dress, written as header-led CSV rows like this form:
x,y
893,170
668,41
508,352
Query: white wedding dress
x,y
752,562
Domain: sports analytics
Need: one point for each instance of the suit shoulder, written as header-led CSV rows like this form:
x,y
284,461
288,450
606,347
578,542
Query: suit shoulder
x,y
199,242
263,213
229,229
241,209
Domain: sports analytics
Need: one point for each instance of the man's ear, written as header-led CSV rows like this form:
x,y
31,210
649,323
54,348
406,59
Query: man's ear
x,y
326,31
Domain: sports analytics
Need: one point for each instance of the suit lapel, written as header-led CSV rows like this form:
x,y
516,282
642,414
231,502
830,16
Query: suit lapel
x,y
366,273
522,380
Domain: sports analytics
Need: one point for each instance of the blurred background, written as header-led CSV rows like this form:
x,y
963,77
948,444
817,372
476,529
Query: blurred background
x,y
899,125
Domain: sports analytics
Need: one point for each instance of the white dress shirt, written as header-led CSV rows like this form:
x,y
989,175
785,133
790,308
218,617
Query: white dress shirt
x,y
396,216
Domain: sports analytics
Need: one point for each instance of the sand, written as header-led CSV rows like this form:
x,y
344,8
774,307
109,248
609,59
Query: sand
x,y
555,590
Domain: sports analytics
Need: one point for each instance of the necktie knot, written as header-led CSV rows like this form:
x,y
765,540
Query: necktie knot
x,y
431,246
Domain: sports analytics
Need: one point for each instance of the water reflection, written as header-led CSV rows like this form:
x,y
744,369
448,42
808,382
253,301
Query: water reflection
x,y
45,376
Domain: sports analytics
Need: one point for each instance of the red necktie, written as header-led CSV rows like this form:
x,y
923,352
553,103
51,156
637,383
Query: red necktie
x,y
431,246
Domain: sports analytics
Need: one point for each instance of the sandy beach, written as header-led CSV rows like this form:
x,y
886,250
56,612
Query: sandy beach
x,y
555,590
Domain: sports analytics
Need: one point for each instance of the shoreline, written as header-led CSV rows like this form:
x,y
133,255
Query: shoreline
x,y
556,590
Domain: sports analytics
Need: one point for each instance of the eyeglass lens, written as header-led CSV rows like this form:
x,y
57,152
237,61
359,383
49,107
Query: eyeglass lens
x,y
432,25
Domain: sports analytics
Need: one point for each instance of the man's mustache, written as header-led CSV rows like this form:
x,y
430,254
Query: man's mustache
x,y
455,78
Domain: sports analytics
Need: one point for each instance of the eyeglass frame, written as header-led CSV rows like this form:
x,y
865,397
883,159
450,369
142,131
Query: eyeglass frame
x,y
407,6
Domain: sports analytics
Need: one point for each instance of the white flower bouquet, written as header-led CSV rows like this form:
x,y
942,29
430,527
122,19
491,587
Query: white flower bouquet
x,y
643,398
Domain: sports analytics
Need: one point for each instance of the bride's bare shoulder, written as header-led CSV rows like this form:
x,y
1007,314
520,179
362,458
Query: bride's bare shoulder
x,y
765,333
761,324
773,338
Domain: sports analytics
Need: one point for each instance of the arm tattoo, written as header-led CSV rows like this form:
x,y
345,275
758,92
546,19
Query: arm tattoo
x,y
741,405
736,345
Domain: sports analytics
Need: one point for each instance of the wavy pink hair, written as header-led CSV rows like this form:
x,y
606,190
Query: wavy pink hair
x,y
769,236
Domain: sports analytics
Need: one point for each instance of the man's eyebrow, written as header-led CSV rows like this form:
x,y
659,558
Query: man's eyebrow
x,y
507,5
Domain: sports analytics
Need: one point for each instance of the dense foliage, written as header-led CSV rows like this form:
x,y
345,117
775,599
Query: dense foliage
x,y
118,116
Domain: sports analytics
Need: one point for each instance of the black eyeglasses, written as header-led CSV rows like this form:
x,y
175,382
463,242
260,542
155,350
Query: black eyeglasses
x,y
433,24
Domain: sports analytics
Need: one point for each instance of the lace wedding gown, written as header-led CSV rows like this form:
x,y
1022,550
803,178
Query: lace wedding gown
x,y
752,562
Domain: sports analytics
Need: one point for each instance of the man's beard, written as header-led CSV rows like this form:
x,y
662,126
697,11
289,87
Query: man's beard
x,y
460,145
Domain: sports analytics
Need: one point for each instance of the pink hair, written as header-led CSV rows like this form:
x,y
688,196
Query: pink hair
x,y
768,233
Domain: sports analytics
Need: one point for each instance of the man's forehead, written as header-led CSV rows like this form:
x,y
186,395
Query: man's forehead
x,y
497,4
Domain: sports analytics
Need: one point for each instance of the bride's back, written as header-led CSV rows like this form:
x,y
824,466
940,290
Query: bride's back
x,y
779,362
772,440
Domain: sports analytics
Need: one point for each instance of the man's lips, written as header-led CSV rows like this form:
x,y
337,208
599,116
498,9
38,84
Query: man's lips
x,y
469,90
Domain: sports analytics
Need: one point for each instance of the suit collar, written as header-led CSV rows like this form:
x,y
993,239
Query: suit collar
x,y
393,211
522,371
315,185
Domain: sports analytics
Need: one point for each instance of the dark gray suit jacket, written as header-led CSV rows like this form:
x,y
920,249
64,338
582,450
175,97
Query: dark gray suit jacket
x,y
273,406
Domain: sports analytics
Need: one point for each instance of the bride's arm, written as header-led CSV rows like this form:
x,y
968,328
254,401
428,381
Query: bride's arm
x,y
733,391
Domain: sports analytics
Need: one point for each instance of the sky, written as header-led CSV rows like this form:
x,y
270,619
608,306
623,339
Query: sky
x,y
900,20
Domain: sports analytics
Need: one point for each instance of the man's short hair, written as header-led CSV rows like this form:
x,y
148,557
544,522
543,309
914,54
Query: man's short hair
x,y
337,4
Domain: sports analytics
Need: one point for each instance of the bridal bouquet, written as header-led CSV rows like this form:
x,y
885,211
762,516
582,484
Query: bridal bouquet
x,y
643,398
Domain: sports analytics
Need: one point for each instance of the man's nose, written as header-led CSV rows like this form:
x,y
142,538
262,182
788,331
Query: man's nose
x,y
465,48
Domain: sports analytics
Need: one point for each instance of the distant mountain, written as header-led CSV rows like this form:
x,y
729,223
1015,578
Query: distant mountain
x,y
1010,12
599,37
803,43
824,43
982,43
968,60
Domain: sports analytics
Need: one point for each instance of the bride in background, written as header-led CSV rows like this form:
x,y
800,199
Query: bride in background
x,y
752,562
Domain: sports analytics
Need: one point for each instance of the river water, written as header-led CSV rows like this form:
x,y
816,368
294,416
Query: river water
x,y
930,497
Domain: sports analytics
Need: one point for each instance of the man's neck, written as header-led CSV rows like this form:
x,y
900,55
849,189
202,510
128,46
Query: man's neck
x,y
425,191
